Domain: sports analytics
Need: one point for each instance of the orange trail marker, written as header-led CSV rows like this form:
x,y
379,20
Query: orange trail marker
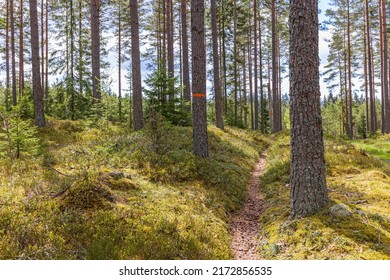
x,y
199,95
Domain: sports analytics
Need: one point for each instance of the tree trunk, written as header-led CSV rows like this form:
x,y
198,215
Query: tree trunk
x,y
120,61
80,70
224,60
365,78
186,68
262,109
275,89
244,93
159,48
171,63
21,49
95,38
220,32
13,65
47,52
72,48
7,72
373,102
136,66
308,184
270,101
370,75
37,86
385,85
235,61
250,74
341,96
199,117
43,44
256,95
164,49
180,62
350,125
346,124
217,85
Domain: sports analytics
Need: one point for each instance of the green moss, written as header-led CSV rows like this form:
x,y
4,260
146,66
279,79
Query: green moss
x,y
106,194
378,147
354,179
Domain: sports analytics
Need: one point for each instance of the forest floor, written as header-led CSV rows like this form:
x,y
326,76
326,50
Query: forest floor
x,y
378,147
355,224
101,191
245,225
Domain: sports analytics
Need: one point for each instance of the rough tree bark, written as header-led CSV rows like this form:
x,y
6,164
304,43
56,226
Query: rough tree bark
x,y
95,38
136,66
308,184
13,51
199,118
37,86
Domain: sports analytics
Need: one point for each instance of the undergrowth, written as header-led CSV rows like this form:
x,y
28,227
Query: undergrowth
x,y
355,180
110,193
378,147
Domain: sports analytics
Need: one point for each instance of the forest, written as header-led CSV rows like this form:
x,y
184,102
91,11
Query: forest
x,y
199,129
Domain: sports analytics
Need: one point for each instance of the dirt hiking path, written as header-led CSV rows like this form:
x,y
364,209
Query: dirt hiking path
x,y
245,223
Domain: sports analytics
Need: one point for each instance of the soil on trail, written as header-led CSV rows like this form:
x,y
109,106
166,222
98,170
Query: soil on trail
x,y
245,223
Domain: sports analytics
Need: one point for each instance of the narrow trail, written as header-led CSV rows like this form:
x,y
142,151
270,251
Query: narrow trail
x,y
245,223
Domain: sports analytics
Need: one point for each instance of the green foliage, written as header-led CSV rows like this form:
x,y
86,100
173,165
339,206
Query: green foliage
x,y
158,98
362,127
18,136
331,118
267,124
230,118
25,107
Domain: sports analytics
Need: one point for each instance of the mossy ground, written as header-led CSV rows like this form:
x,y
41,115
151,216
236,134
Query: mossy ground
x,y
109,193
355,179
378,147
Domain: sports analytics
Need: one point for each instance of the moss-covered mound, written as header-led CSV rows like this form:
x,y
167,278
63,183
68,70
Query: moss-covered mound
x,y
87,194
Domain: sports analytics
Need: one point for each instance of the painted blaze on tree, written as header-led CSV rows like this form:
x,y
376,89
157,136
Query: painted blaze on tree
x,y
199,118
307,179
